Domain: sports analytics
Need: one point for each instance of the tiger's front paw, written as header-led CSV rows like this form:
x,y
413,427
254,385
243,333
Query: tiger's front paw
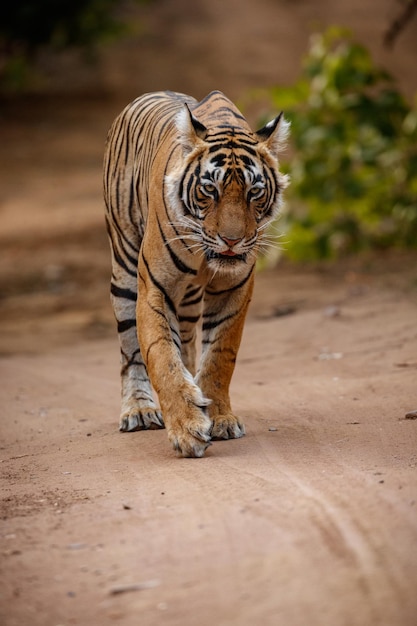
x,y
227,426
145,418
190,435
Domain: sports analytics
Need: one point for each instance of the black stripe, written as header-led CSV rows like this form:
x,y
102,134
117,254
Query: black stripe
x,y
155,343
116,246
131,361
219,160
210,95
192,319
231,145
186,209
121,236
121,263
119,292
182,267
246,160
215,323
242,282
231,131
125,325
159,286
191,291
191,302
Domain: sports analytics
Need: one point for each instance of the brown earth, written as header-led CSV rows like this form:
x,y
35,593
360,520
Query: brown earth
x,y
309,519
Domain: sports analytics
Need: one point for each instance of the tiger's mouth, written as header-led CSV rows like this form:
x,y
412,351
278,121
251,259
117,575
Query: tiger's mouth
x,y
228,253
228,256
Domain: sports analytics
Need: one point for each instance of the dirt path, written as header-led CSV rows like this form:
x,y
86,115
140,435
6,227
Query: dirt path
x,y
309,519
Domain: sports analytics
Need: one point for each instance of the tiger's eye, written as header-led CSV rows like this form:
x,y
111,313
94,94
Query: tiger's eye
x,y
256,192
208,189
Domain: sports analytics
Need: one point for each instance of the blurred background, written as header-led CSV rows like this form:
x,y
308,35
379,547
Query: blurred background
x,y
344,72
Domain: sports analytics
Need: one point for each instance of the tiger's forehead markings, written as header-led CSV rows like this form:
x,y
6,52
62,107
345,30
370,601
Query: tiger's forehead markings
x,y
231,153
232,149
219,160
245,169
230,137
231,156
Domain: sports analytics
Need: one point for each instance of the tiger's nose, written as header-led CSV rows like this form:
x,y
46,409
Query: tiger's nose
x,y
231,242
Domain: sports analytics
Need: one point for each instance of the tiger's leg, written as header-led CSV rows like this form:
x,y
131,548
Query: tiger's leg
x,y
183,405
189,315
138,410
223,320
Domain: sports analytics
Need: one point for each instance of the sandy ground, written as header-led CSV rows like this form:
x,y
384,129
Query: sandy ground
x,y
311,518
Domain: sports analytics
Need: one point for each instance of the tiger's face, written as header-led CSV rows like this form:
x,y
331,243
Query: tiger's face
x,y
228,191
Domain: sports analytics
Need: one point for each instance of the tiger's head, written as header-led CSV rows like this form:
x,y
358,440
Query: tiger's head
x,y
227,187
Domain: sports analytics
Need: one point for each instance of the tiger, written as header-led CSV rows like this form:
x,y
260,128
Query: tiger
x,y
189,191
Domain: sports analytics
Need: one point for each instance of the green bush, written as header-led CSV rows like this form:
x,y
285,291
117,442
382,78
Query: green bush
x,y
354,163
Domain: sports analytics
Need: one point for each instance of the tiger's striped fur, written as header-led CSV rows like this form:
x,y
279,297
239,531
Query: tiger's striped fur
x,y
189,190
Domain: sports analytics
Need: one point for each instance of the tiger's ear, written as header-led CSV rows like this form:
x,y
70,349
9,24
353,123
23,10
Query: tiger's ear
x,y
191,129
274,134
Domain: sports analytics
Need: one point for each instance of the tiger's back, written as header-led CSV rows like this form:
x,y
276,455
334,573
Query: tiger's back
x,y
189,190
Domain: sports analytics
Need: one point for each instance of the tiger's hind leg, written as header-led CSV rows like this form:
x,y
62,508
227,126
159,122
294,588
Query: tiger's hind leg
x,y
139,410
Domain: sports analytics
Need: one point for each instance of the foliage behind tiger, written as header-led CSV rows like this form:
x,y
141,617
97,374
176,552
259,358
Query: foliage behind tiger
x,y
189,192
